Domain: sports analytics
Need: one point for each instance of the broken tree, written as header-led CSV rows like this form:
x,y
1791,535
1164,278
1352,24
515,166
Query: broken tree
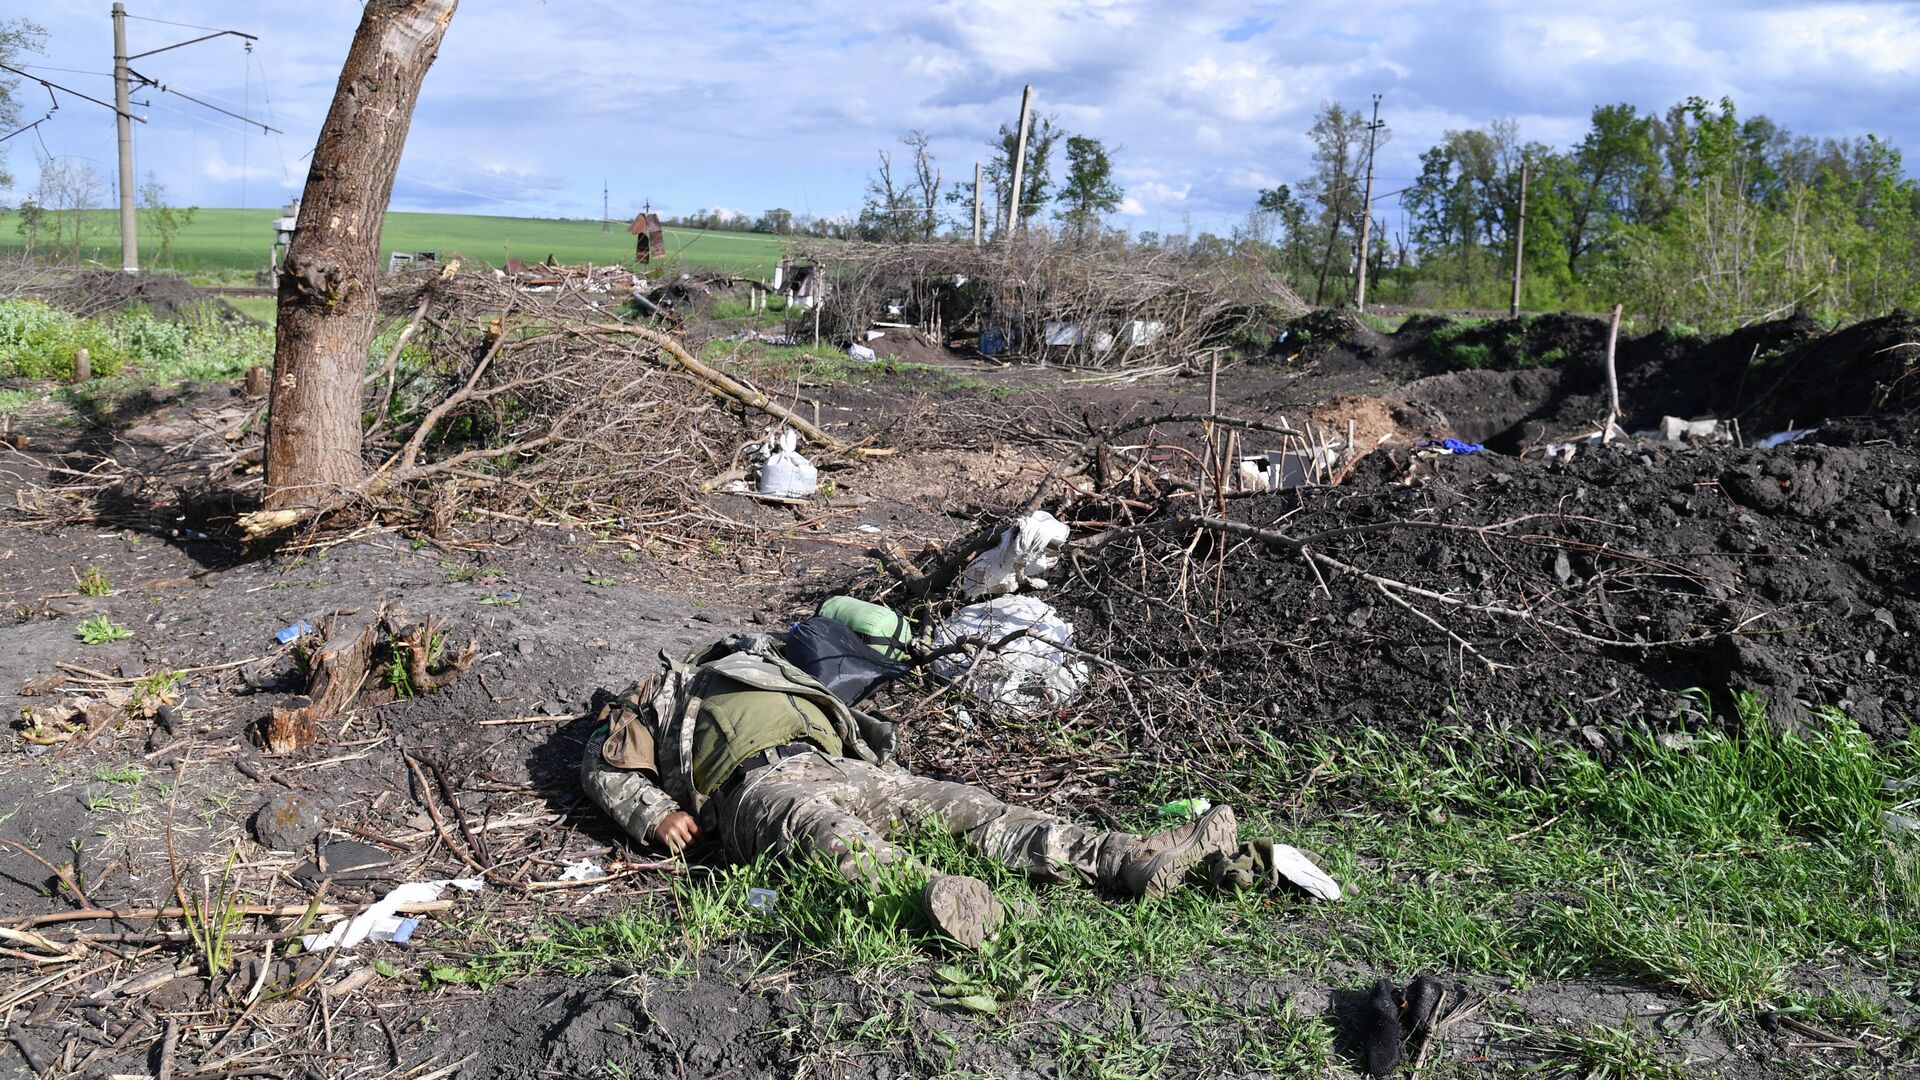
x,y
327,300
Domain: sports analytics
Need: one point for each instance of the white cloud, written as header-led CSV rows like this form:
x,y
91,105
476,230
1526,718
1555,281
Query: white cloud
x,y
760,104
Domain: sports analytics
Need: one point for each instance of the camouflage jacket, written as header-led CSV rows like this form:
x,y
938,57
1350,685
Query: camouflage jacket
x,y
639,798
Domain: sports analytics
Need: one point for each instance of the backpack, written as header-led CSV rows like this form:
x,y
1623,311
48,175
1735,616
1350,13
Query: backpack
x,y
883,629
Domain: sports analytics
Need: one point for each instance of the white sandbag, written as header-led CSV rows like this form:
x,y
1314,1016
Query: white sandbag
x,y
1026,675
1024,552
862,353
786,474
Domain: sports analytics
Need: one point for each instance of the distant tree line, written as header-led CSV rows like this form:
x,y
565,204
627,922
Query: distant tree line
x,y
1693,216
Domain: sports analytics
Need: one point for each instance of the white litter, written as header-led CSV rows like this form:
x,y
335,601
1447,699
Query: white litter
x,y
786,474
862,353
1297,868
1674,429
1023,554
1024,676
381,916
584,870
1784,437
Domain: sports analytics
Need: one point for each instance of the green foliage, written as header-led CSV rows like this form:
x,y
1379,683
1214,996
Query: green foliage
x,y
39,342
1089,192
93,582
99,630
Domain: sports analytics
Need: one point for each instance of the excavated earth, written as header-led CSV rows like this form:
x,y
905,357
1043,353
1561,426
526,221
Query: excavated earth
x,y
1686,573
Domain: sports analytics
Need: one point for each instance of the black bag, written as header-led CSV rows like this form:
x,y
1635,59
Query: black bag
x,y
831,652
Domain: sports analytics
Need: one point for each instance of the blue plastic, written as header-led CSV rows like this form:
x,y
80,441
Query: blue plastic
x,y
287,635
1458,447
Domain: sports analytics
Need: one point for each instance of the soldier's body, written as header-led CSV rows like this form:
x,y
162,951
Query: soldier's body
x,y
746,747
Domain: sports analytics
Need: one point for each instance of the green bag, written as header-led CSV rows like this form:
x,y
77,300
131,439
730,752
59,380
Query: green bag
x,y
882,628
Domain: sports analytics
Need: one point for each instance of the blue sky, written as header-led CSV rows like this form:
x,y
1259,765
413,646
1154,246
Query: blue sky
x,y
751,105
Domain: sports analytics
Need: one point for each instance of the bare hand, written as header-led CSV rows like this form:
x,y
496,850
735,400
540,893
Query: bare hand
x,y
677,830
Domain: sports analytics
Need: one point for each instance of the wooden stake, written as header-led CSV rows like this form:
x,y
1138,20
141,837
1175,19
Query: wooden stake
x,y
82,366
1613,378
976,204
1519,242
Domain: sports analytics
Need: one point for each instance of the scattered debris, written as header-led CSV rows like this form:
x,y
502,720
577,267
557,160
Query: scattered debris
x,y
1023,665
1026,550
382,916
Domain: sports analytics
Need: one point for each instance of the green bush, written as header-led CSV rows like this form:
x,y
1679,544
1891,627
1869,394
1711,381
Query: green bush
x,y
38,342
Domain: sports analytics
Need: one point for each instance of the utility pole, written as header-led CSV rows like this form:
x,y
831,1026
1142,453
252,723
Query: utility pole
x,y
1366,211
1019,160
129,227
123,76
1519,241
606,223
976,204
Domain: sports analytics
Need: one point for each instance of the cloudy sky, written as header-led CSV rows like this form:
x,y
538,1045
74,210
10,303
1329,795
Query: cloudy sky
x,y
750,105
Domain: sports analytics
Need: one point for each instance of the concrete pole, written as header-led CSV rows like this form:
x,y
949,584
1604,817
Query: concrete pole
x,y
1019,160
976,204
1519,242
129,226
1366,211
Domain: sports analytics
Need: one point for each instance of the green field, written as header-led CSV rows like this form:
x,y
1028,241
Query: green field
x,y
226,242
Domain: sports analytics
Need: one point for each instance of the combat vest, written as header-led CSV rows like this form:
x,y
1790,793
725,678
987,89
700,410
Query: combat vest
x,y
737,721
656,727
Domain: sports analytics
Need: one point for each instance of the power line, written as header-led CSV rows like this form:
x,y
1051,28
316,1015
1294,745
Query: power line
x,y
70,71
165,89
164,22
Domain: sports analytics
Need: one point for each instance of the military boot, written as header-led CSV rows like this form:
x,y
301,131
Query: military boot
x,y
1154,865
962,908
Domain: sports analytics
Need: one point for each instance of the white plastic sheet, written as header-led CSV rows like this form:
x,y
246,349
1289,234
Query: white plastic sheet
x,y
1024,676
382,915
1024,552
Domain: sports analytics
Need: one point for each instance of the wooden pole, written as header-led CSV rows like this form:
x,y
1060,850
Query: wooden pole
x,y
1366,210
82,365
1520,247
1019,160
1613,379
976,204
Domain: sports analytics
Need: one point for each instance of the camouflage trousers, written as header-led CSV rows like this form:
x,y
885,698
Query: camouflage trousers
x,y
846,809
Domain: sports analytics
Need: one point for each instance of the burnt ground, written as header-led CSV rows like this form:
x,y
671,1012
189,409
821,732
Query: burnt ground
x,y
1809,551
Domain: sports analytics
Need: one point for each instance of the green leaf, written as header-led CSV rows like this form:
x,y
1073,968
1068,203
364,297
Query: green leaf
x,y
979,1003
951,973
381,967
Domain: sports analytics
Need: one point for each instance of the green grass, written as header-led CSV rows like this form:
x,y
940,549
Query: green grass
x,y
1730,875
226,242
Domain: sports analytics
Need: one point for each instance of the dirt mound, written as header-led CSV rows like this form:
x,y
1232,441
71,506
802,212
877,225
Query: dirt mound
x,y
1551,596
911,346
1529,380
97,292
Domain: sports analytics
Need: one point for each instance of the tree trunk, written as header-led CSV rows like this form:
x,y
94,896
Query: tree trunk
x,y
328,286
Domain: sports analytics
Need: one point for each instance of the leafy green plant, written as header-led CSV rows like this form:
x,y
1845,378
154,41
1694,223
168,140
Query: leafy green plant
x,y
212,915
158,687
93,582
99,630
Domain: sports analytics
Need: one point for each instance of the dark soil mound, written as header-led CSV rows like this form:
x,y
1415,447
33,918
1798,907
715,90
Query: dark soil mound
x,y
1545,377
1603,589
96,292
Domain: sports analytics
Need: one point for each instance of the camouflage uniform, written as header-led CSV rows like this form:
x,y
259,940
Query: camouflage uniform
x,y
844,807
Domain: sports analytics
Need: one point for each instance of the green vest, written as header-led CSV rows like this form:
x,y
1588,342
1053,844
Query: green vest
x,y
737,721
